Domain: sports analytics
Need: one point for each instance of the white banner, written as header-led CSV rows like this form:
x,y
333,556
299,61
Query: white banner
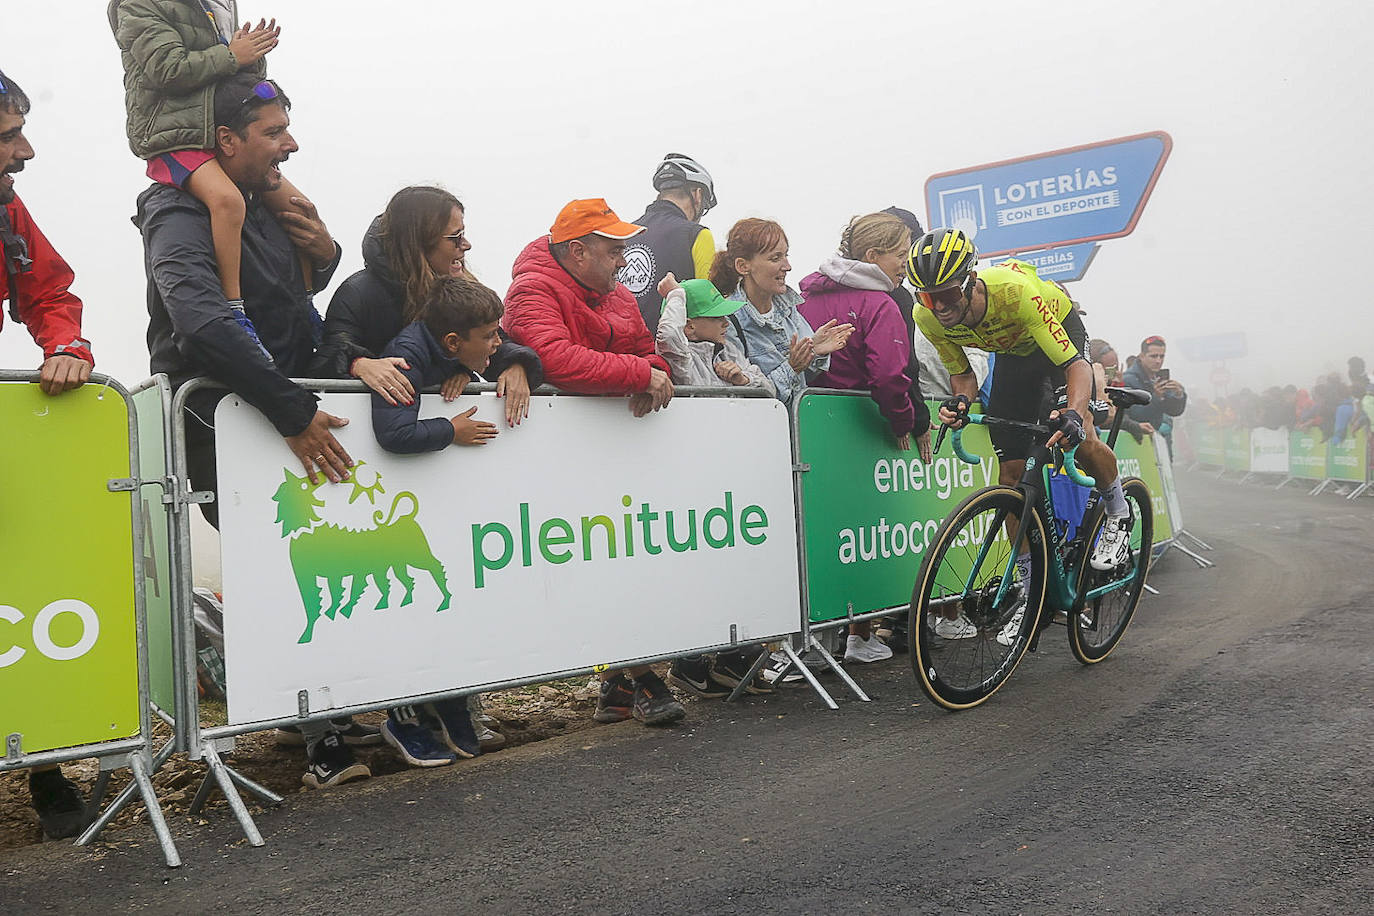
x,y
583,537
1268,451
1166,477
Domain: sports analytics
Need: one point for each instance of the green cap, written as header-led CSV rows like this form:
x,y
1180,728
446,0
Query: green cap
x,y
705,301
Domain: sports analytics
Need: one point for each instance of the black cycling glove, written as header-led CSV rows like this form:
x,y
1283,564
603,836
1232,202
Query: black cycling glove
x,y
1071,425
958,405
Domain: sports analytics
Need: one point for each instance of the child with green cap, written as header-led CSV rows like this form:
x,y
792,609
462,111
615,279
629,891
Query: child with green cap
x,y
692,338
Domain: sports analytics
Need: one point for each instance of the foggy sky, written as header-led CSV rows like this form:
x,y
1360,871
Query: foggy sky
x,y
808,113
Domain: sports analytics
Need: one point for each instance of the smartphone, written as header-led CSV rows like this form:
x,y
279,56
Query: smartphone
x,y
1162,375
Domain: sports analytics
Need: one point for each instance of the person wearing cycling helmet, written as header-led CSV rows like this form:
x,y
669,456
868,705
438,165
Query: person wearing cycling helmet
x,y
673,240
1032,327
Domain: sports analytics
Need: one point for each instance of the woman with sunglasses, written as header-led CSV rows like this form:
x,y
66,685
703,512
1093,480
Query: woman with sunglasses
x,y
419,240
174,54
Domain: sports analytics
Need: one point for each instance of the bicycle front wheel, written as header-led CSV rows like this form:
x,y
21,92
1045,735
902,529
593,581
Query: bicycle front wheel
x,y
967,631
1109,597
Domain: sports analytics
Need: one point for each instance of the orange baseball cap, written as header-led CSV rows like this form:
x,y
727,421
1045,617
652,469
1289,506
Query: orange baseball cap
x,y
584,217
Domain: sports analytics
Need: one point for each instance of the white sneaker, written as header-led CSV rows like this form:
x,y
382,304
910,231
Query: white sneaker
x,y
1007,635
858,649
954,629
1112,543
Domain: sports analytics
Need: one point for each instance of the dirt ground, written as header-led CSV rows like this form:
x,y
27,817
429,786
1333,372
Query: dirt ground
x,y
523,715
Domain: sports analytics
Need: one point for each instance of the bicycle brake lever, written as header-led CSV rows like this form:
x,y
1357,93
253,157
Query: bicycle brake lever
x,y
940,439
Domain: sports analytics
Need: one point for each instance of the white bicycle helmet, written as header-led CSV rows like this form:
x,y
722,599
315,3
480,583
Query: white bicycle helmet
x,y
679,171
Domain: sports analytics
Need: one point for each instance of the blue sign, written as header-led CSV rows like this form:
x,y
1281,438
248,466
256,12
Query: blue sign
x,y
1084,194
1214,347
1061,265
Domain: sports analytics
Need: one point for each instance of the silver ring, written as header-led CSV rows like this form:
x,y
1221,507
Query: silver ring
x,y
319,459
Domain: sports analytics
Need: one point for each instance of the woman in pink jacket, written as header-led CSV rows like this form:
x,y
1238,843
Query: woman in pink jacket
x,y
852,287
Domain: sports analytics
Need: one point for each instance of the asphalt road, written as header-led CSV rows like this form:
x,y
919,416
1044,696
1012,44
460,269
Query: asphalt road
x,y
1219,762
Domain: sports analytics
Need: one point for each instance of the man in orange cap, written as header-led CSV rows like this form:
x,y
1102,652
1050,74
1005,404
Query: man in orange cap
x,y
565,303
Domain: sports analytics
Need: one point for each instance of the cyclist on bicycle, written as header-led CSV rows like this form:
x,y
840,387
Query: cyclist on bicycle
x,y
1040,344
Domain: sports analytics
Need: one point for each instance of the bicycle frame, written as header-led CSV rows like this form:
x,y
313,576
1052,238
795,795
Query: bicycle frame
x,y
1061,591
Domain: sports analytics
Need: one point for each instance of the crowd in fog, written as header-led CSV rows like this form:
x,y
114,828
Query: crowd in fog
x,y
1333,405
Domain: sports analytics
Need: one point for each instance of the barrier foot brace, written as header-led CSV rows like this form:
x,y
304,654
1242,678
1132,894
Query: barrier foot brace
x,y
1200,560
220,772
1319,487
1197,541
794,661
1151,589
749,678
142,786
1359,491
838,669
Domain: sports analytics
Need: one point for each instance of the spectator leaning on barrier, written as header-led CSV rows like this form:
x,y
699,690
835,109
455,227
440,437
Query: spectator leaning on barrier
x,y
1169,397
192,331
692,337
673,240
769,329
1107,374
458,336
853,285
408,251
565,303
36,281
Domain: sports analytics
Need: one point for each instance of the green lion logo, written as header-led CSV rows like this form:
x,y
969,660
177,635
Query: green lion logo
x,y
343,556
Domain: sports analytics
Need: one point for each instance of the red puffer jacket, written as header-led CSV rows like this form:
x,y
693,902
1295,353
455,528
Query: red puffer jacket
x,y
588,343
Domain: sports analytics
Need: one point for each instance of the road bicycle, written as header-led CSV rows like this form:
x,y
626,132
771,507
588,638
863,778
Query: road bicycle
x,y
973,618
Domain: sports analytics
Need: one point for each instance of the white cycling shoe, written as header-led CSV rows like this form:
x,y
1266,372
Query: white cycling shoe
x,y
1112,544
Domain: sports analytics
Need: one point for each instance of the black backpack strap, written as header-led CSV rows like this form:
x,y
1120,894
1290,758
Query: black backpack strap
x,y
17,260
743,342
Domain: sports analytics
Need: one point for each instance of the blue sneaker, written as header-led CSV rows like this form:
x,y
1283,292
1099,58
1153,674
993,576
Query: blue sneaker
x,y
415,743
455,726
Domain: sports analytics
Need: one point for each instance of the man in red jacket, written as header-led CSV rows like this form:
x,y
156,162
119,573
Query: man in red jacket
x,y
565,303
35,281
35,278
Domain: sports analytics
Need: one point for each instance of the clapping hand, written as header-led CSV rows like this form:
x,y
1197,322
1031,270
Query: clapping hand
x,y
830,337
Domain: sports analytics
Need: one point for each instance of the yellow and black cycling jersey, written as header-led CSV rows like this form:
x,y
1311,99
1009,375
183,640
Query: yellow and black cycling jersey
x,y
1024,314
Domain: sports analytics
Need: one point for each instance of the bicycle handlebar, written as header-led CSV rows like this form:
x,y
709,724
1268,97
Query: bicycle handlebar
x,y
1070,468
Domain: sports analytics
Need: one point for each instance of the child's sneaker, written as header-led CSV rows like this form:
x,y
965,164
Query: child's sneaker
x,y
693,675
653,703
872,649
241,316
731,667
455,727
331,763
616,699
416,744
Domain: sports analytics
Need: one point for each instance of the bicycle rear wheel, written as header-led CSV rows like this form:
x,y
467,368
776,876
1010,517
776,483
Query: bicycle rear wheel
x,y
1102,620
965,643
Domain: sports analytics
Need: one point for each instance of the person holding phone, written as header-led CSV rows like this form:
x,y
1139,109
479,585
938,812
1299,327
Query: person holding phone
x,y
1170,398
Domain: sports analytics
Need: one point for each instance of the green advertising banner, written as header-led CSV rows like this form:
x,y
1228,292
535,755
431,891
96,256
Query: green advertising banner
x,y
1348,460
157,563
1137,459
870,509
68,656
1306,455
1209,446
1236,449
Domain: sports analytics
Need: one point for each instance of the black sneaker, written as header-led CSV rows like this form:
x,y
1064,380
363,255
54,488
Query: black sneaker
x,y
353,733
61,809
454,721
693,675
331,763
731,667
617,698
653,703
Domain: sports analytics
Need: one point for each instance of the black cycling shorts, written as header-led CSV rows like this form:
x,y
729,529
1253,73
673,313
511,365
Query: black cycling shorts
x,y
1025,388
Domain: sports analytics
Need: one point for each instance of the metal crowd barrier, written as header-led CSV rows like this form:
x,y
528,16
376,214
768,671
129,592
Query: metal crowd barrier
x,y
93,684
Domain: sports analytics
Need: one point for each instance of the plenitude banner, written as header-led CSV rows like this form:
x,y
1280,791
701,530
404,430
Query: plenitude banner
x,y
870,510
1236,448
1348,459
68,650
1268,451
584,536
1306,454
1209,445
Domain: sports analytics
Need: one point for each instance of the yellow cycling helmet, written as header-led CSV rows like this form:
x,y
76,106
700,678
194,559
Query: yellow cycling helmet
x,y
940,259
